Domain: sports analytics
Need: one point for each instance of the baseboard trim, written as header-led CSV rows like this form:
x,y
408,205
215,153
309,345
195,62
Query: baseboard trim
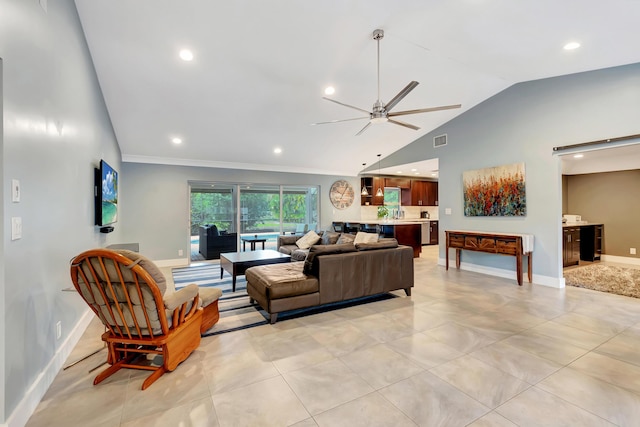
x,y
621,259
36,392
178,262
538,279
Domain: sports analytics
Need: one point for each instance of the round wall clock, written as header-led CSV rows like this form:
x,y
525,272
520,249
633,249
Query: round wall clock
x,y
341,194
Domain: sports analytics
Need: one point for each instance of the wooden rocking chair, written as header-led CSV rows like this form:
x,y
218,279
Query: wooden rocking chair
x,y
126,293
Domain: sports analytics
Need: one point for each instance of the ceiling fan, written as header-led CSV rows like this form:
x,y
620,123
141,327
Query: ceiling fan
x,y
381,111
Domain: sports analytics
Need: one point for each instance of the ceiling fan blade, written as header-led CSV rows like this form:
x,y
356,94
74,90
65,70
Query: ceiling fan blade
x,y
338,121
407,125
364,128
346,105
404,92
425,110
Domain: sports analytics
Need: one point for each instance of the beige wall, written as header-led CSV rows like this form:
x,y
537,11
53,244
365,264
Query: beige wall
x,y
611,198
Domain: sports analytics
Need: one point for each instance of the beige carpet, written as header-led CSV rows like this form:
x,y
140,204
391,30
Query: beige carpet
x,y
606,278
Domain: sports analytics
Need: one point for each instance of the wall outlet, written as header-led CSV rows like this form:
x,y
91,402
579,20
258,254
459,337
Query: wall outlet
x,y
180,252
632,251
58,329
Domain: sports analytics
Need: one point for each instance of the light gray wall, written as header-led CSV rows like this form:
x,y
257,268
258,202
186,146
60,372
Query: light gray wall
x,y
610,198
522,124
56,129
156,204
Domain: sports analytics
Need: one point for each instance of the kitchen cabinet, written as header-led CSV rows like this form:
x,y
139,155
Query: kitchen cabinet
x,y
398,182
582,243
424,193
371,183
570,246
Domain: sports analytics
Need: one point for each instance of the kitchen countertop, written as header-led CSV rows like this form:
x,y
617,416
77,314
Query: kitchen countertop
x,y
396,221
579,224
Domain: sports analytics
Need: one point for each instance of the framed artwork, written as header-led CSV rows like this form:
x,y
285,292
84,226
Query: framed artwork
x,y
496,191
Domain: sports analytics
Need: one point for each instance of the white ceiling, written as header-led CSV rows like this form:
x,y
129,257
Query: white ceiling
x,y
260,69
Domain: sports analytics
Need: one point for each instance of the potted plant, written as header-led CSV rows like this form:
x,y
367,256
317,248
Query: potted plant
x,y
382,212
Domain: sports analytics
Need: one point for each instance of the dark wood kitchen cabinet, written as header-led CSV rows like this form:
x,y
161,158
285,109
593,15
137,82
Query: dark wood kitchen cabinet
x,y
570,246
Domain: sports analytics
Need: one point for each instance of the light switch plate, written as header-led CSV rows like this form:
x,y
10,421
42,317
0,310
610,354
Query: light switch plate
x,y
447,211
16,228
15,190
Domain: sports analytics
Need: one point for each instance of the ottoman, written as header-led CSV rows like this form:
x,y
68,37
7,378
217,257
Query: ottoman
x,y
281,287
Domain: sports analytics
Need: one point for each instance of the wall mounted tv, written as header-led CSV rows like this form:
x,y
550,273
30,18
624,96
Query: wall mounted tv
x,y
106,196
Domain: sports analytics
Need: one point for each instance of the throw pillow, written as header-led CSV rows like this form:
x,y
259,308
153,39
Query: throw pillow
x,y
362,237
309,239
330,237
345,238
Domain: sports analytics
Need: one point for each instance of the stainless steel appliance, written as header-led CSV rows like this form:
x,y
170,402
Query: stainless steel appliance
x,y
426,237
424,214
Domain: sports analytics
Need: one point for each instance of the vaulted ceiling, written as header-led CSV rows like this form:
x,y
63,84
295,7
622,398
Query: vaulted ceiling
x,y
260,68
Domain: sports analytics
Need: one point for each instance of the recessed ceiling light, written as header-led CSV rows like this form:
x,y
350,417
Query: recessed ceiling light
x,y
578,156
571,45
398,171
176,140
414,169
329,90
434,174
186,55
277,150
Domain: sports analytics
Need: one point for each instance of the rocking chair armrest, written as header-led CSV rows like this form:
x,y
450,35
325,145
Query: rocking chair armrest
x,y
176,299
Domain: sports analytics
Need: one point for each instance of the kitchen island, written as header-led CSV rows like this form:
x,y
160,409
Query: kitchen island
x,y
406,231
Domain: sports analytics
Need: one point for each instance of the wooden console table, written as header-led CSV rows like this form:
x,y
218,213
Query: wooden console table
x,y
515,245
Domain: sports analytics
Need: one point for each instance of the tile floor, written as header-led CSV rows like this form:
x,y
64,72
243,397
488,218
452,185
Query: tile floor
x,y
465,350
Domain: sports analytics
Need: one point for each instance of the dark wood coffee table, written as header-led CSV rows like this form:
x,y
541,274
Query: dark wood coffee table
x,y
236,263
252,240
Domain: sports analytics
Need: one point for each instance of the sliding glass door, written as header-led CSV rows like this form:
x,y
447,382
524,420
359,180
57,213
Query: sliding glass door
x,y
249,212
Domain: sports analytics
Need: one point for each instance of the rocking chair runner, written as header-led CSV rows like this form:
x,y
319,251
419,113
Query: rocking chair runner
x,y
126,293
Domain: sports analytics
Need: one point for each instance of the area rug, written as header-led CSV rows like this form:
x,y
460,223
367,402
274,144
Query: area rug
x,y
236,312
606,278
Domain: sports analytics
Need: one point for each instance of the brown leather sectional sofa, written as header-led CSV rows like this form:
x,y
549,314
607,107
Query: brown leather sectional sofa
x,y
332,273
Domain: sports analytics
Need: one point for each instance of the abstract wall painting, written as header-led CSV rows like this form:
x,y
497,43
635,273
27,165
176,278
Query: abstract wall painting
x,y
496,191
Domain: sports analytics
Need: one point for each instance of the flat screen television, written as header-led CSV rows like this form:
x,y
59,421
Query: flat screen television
x,y
106,195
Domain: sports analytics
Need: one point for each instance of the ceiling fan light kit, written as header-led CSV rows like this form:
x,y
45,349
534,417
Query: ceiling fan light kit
x,y
380,112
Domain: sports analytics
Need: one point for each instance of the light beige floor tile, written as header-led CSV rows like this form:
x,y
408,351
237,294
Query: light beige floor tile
x,y
381,328
488,325
492,419
459,337
590,324
519,363
547,347
371,410
309,422
426,351
535,408
430,401
380,366
488,385
284,344
236,370
303,360
184,385
266,403
624,347
571,335
99,406
199,413
610,402
418,318
327,385
341,339
611,370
